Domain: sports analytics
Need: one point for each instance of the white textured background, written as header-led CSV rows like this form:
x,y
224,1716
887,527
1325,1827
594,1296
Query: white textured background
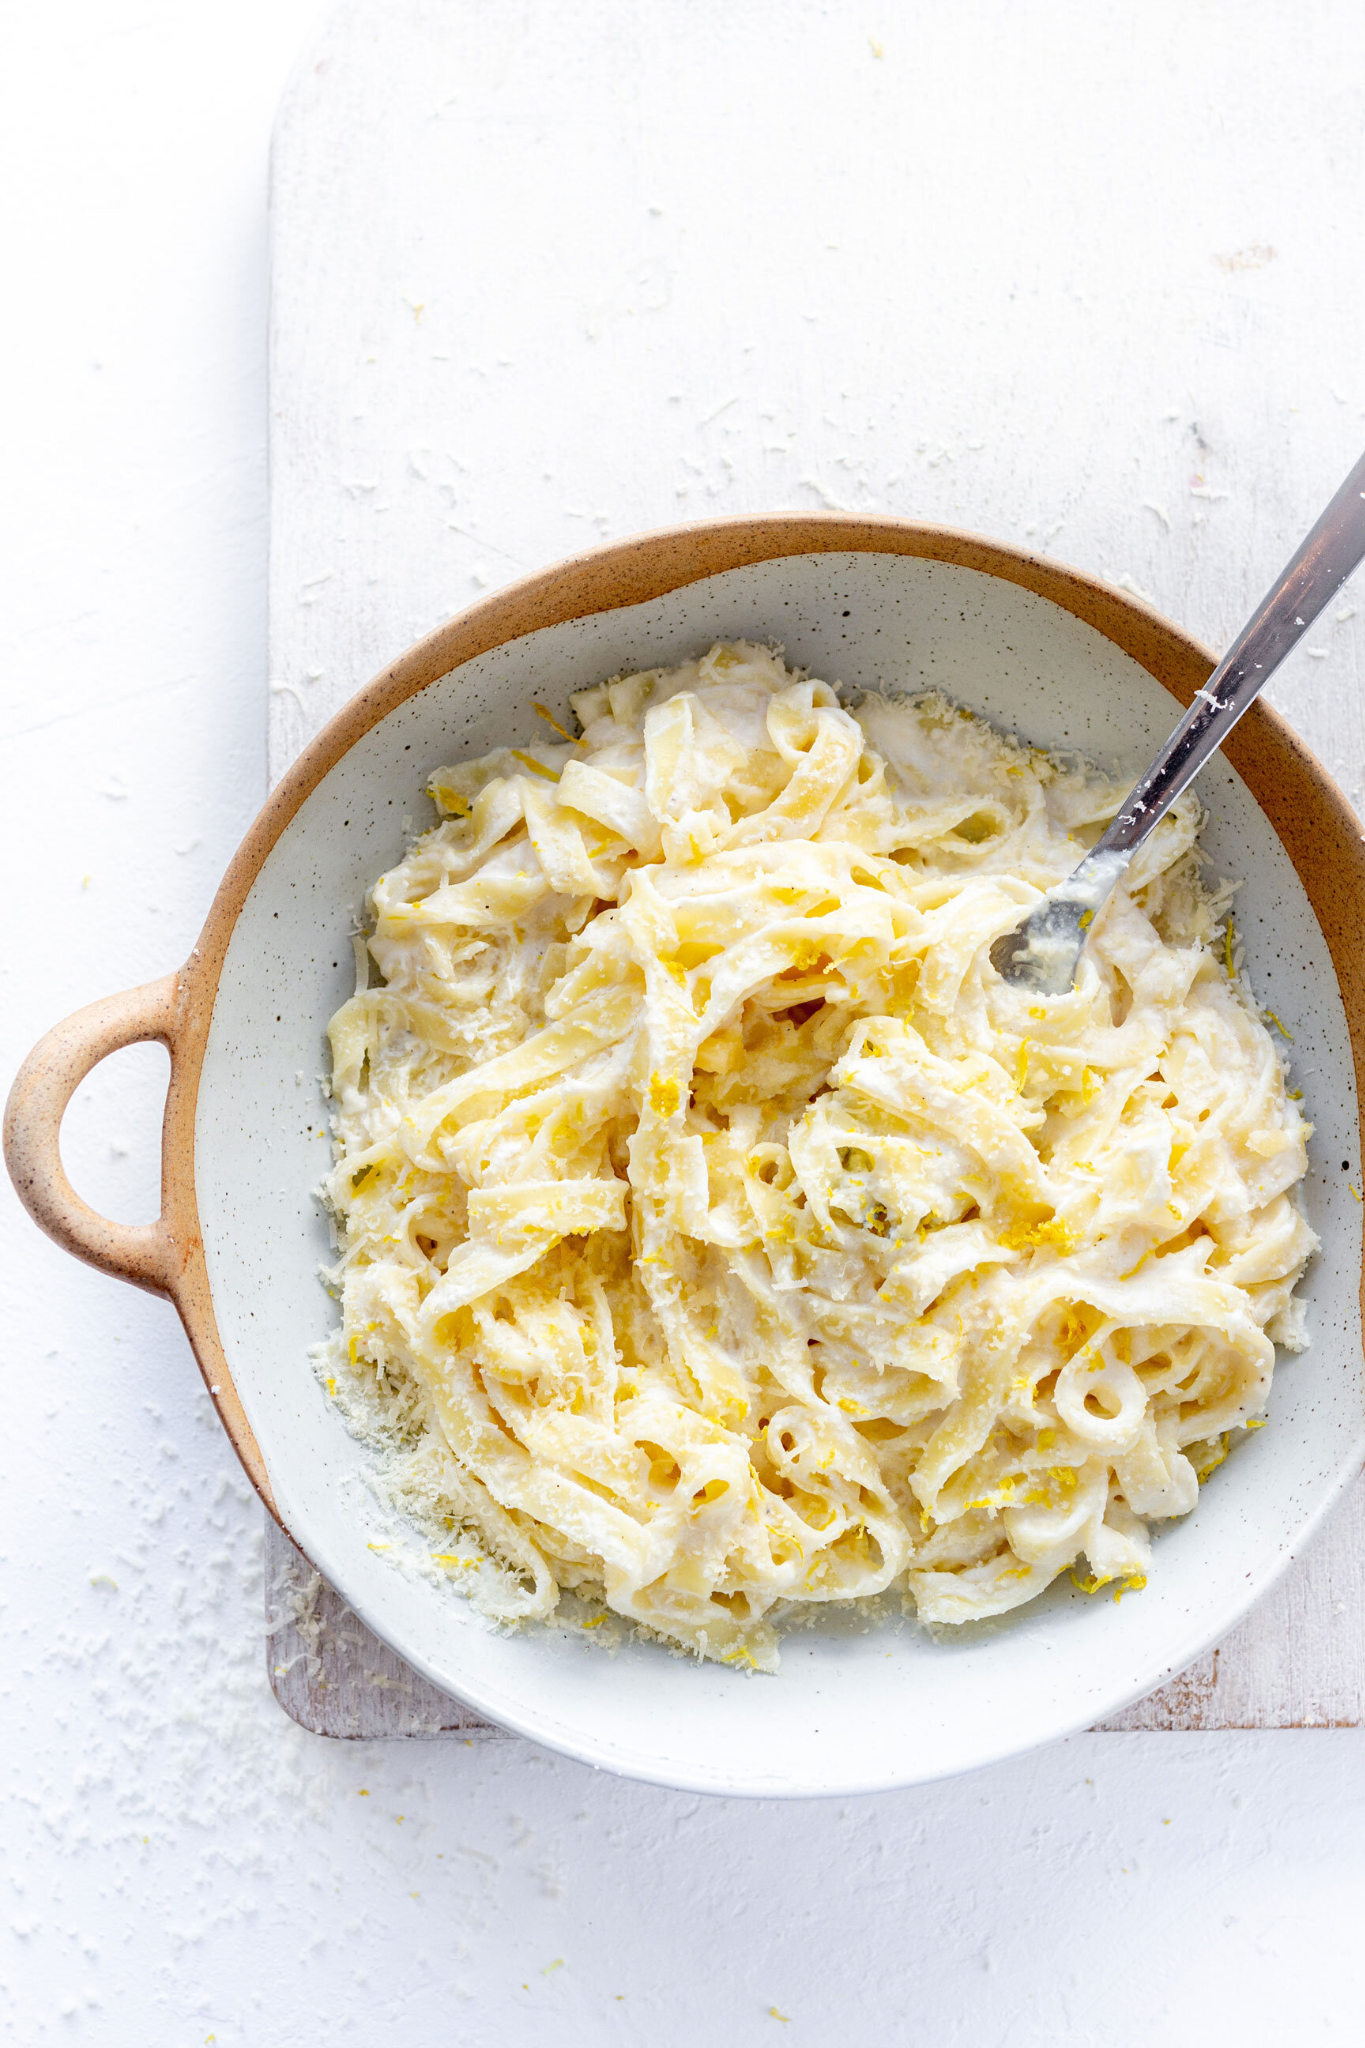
x,y
180,1864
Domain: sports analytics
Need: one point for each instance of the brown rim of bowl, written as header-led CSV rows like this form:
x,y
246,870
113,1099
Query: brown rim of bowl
x,y
1315,824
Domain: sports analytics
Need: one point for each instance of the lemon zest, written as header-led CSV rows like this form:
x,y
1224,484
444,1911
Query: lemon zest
x,y
550,719
664,1094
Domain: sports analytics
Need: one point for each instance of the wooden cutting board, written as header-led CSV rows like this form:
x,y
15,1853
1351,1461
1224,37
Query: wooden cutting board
x,y
545,275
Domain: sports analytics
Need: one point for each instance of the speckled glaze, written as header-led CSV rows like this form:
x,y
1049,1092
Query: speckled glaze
x,y
1037,648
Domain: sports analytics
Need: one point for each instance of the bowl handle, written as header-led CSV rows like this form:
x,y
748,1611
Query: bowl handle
x,y
144,1253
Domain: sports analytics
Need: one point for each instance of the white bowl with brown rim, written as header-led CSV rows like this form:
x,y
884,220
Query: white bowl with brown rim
x,y
1036,648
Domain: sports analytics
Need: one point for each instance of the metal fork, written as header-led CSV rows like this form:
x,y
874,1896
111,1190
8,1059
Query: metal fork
x,y
1044,952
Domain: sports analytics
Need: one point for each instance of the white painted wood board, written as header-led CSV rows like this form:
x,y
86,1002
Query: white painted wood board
x,y
547,275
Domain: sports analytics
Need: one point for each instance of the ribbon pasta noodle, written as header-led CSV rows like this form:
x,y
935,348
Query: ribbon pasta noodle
x,y
731,1236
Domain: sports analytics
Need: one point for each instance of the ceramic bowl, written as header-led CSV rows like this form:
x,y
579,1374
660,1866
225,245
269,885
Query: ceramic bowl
x,y
1039,650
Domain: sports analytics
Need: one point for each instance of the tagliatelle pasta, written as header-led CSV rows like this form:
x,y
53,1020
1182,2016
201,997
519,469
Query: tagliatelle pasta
x,y
727,1236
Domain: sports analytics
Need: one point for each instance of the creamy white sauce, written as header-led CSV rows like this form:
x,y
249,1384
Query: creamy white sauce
x,y
722,1235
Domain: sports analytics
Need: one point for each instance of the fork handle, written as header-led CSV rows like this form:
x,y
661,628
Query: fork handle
x,y
1311,578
